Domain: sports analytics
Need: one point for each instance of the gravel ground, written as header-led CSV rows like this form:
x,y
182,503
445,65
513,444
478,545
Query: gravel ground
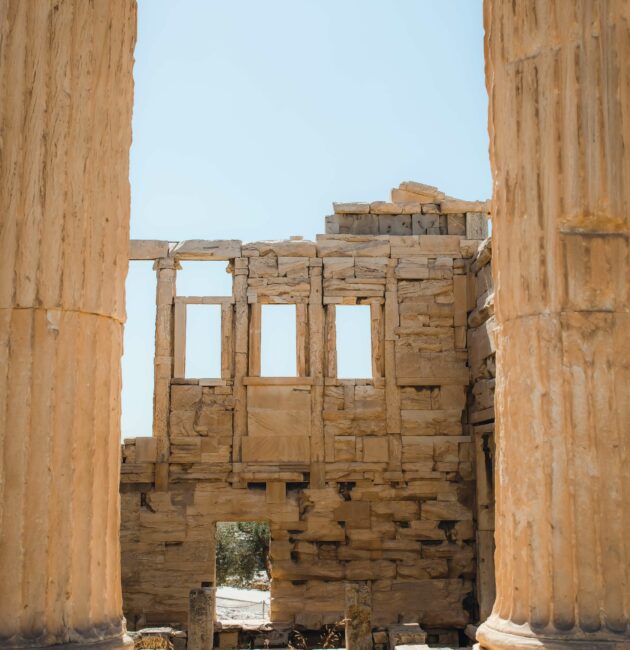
x,y
242,604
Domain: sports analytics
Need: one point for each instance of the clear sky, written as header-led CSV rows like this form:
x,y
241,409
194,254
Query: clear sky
x,y
252,116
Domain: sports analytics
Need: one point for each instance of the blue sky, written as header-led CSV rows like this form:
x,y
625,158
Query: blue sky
x,y
251,117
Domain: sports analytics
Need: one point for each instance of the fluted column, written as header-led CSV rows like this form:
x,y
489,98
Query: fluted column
x,y
65,131
558,77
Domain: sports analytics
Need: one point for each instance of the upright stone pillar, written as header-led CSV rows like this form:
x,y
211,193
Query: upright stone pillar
x,y
558,77
358,615
201,618
166,271
65,133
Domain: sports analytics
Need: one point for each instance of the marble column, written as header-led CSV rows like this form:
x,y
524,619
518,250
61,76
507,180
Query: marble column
x,y
65,133
558,78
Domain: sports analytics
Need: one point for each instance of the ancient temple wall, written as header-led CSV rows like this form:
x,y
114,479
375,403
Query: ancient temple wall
x,y
482,362
65,133
367,479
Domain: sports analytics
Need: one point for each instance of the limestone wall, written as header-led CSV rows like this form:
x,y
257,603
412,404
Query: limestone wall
x,y
482,353
366,479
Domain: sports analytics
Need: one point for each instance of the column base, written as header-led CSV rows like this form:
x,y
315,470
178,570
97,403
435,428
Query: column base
x,y
490,638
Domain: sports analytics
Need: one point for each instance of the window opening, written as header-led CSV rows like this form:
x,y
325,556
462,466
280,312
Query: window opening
x,y
204,278
138,351
354,341
278,354
203,341
243,570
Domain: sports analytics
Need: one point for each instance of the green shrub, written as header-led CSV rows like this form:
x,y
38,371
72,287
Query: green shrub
x,y
242,552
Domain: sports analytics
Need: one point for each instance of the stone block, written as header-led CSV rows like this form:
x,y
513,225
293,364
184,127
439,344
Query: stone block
x,y
455,206
281,248
338,267
147,249
394,225
383,207
345,449
370,570
182,423
410,633
213,422
228,639
456,224
278,410
402,197
423,531
185,449
263,267
476,225
146,450
421,188
449,398
276,449
352,208
422,569
185,397
293,266
375,449
332,225
370,267
322,569
413,268
445,511
417,449
439,600
364,224
430,208
202,249
421,223
347,246
353,512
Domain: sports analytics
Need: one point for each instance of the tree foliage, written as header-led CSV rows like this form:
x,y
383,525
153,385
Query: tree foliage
x,y
242,553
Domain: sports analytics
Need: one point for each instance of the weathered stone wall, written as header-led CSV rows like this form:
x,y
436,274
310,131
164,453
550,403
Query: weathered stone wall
x,y
367,479
481,354
415,209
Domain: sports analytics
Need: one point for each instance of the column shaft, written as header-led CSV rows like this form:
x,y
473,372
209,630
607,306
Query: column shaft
x,y
559,86
65,116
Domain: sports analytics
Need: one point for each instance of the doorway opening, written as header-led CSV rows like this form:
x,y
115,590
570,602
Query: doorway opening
x,y
278,347
243,570
354,342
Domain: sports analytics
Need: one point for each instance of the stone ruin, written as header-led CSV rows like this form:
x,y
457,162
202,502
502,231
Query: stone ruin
x,y
347,496
362,480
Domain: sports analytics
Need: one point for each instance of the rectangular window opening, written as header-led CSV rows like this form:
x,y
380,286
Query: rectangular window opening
x,y
278,353
354,341
204,278
243,570
139,349
203,341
